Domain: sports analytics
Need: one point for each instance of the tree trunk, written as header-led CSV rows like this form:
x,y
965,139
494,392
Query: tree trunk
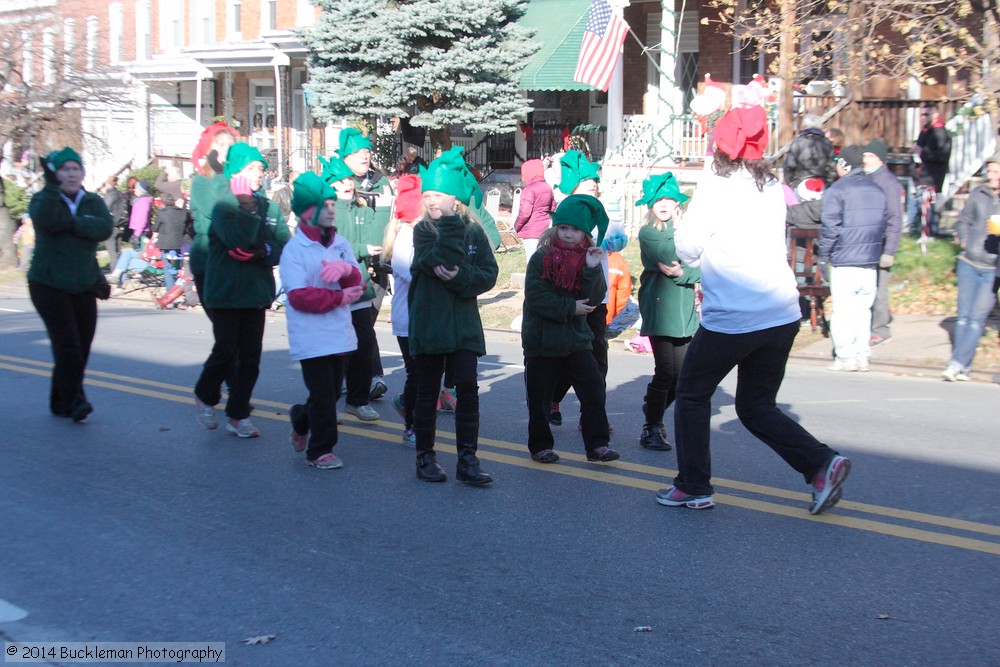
x,y
8,253
786,72
440,140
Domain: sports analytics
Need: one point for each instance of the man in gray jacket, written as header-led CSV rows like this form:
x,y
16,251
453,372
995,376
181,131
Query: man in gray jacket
x,y
854,219
976,270
874,159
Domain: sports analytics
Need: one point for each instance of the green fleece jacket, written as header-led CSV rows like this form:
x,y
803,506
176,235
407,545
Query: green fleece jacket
x,y
230,283
666,304
66,244
550,326
444,314
205,192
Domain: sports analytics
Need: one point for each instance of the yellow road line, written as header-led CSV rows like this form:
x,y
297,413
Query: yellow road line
x,y
607,473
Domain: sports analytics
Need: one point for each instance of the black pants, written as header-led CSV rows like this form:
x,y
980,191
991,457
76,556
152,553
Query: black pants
x,y
239,336
410,386
359,362
377,370
597,320
760,357
322,376
668,357
71,321
581,370
429,371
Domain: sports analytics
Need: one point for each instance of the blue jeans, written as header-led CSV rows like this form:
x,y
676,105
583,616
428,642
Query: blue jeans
x,y
975,302
760,357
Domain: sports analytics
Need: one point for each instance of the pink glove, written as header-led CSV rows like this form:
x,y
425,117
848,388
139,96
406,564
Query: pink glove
x,y
240,255
352,294
240,185
333,271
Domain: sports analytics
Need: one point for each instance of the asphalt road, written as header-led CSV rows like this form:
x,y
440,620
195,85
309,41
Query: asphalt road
x,y
140,526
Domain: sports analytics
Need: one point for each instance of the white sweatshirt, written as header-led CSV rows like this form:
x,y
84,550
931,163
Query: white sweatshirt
x,y
736,234
402,258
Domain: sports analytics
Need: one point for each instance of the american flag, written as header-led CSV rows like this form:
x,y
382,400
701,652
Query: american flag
x,y
602,44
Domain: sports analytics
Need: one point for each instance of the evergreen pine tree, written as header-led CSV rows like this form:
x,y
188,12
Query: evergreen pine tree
x,y
455,62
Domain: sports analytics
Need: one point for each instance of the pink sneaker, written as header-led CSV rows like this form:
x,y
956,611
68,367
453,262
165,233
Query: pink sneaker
x,y
299,440
328,461
674,497
827,483
447,401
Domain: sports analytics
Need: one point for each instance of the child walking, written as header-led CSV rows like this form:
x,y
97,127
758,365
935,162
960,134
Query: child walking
x,y
564,284
453,264
397,252
357,224
666,303
245,240
322,279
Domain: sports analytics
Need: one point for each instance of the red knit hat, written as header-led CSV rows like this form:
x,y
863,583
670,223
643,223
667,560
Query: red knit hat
x,y
742,133
205,141
409,199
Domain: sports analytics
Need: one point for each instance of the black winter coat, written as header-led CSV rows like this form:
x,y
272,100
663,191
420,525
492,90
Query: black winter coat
x,y
809,156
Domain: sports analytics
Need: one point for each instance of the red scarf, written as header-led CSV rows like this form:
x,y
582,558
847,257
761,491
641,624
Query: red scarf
x,y
563,265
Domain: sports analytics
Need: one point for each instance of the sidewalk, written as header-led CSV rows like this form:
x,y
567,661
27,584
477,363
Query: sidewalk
x,y
920,345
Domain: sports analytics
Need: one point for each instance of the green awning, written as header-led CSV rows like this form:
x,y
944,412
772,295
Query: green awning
x,y
559,26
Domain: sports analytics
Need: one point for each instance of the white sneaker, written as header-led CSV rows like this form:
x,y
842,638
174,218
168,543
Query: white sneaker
x,y
863,366
846,365
951,373
243,428
205,414
365,413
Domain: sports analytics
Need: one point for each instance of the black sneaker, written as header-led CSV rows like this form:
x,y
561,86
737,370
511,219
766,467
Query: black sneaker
x,y
555,417
603,455
80,410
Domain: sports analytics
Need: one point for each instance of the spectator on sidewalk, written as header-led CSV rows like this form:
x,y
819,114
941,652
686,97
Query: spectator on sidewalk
x,y
874,158
141,211
809,154
118,207
932,153
855,212
24,240
535,213
978,228
619,276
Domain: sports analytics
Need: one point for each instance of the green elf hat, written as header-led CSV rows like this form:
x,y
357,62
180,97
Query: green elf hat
x,y
352,141
310,190
663,186
56,159
239,156
334,169
583,212
449,174
575,167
